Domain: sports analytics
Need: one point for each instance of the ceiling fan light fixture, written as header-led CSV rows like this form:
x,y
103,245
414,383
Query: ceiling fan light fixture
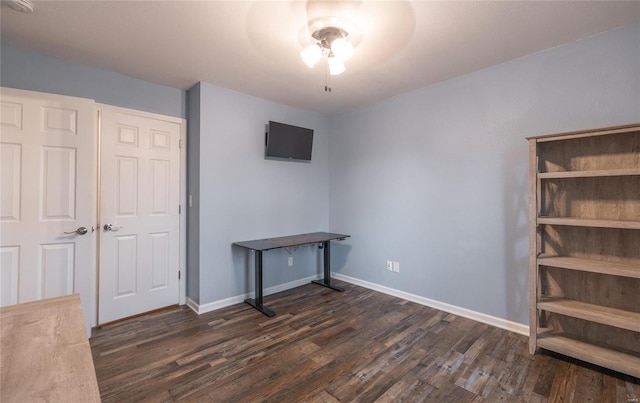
x,y
311,54
332,42
333,29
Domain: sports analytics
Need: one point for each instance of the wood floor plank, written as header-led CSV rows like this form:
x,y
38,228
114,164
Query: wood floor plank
x,y
545,377
588,383
481,376
517,371
564,383
324,346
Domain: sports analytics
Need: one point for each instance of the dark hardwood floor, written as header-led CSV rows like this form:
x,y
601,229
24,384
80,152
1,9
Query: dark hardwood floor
x,y
325,346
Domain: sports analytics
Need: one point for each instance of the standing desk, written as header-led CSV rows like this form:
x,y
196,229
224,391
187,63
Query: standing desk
x,y
261,245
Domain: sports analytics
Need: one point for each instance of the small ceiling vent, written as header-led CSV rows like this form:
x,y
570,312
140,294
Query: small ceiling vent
x,y
24,6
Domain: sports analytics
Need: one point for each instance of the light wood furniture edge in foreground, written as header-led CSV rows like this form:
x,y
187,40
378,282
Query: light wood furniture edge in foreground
x,y
45,354
584,243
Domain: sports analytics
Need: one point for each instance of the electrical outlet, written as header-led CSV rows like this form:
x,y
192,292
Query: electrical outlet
x,y
290,261
389,265
396,267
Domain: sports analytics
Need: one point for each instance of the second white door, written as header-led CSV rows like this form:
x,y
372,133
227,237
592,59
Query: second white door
x,y
139,213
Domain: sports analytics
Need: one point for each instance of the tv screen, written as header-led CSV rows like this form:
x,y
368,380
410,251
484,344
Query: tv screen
x,y
289,142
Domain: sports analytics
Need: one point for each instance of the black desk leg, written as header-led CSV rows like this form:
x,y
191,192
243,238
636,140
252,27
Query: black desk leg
x,y
326,282
257,302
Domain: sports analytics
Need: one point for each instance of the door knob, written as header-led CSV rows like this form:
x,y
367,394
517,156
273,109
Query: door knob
x,y
79,231
110,227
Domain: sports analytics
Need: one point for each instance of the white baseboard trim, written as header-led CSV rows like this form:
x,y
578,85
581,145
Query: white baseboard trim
x,y
192,304
223,303
456,310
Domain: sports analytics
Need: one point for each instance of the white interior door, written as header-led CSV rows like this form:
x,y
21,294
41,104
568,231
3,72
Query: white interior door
x,y
139,213
47,192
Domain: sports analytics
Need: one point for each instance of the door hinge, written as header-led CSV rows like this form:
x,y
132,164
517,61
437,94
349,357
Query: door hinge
x,y
179,274
179,208
180,143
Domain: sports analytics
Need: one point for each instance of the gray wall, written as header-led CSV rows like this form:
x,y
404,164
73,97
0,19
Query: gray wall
x,y
27,70
437,178
193,189
242,196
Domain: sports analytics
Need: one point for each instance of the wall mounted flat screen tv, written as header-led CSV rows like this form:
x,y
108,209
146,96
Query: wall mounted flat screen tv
x,y
283,141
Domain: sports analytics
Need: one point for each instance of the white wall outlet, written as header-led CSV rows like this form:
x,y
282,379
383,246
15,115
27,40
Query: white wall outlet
x,y
389,265
290,261
396,267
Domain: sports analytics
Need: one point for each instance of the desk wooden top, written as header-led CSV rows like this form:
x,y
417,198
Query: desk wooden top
x,y
45,354
289,241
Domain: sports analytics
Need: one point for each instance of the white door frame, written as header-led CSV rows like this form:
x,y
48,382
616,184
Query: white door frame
x,y
182,285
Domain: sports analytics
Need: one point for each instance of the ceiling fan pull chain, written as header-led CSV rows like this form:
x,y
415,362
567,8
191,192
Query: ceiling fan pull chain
x,y
327,80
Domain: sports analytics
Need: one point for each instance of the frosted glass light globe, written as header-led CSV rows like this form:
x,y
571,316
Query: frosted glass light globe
x,y
336,66
311,55
342,49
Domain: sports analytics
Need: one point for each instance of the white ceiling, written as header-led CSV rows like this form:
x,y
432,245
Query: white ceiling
x,y
253,46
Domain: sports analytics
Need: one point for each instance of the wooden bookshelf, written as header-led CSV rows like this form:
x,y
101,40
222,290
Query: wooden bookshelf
x,y
584,265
